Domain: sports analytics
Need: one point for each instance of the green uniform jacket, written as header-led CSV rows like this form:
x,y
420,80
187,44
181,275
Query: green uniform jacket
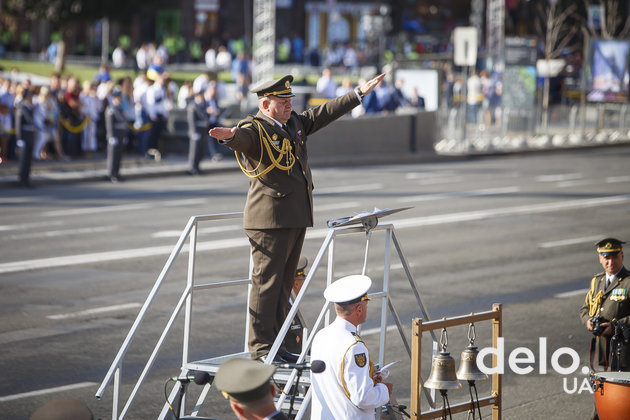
x,y
281,199
615,305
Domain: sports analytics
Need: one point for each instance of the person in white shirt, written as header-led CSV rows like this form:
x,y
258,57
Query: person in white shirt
x,y
349,388
223,59
157,106
326,85
201,82
210,57
118,57
92,108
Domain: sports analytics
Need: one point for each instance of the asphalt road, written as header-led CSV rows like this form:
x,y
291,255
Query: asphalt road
x,y
78,260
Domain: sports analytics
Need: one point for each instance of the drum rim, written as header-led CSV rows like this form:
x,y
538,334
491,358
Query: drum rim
x,y
613,377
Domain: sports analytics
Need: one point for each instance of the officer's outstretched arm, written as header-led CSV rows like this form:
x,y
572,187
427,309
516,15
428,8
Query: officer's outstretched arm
x,y
222,133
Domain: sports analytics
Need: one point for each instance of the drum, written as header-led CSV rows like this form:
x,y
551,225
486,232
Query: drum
x,y
612,395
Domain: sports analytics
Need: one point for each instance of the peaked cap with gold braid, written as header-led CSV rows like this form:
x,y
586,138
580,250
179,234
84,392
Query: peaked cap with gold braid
x,y
608,247
280,88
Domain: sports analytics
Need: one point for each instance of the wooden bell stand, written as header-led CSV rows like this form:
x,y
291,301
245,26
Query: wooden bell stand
x,y
418,327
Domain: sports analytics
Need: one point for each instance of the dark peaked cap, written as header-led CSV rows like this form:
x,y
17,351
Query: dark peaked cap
x,y
280,88
244,380
609,246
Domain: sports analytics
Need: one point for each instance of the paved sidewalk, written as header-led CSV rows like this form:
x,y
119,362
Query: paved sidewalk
x,y
94,168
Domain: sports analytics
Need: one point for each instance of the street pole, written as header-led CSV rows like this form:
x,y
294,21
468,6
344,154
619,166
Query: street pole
x,y
105,41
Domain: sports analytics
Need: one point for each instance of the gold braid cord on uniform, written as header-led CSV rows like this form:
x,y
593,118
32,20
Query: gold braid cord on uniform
x,y
267,144
74,129
343,364
593,303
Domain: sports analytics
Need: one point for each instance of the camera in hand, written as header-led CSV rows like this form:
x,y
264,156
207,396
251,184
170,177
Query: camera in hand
x,y
598,328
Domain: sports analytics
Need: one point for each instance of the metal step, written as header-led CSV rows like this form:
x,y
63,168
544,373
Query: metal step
x,y
281,376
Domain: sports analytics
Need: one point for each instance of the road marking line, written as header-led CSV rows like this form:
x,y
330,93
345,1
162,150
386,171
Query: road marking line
x,y
177,233
373,331
95,311
577,183
438,181
613,179
559,177
125,254
510,211
571,293
123,207
424,175
566,242
5,228
338,206
456,194
348,188
64,232
47,391
99,257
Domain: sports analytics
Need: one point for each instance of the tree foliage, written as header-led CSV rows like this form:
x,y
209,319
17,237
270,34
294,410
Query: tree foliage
x,y
73,10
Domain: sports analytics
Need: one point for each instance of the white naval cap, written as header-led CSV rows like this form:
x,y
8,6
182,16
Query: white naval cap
x,y
349,289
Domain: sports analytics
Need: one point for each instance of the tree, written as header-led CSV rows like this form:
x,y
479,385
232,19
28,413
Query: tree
x,y
61,12
615,24
557,29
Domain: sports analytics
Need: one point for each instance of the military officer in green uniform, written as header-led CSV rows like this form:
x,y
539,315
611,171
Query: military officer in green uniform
x,y
271,148
608,299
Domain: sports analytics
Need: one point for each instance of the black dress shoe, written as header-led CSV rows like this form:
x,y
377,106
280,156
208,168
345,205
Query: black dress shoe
x,y
277,359
288,356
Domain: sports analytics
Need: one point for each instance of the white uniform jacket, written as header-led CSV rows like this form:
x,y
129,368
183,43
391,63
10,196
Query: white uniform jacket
x,y
344,390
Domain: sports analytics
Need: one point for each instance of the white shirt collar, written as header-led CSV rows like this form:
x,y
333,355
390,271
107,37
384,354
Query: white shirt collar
x,y
274,120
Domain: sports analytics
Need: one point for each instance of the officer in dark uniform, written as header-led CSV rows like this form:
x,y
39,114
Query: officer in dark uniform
x,y
117,131
293,339
197,118
271,148
246,383
608,301
25,135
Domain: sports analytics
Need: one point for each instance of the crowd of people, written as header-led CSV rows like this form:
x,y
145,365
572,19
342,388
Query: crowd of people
x,y
68,115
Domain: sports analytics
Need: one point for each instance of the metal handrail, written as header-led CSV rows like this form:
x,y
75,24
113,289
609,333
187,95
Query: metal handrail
x,y
114,369
185,299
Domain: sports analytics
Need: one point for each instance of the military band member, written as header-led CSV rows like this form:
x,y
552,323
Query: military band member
x,y
293,339
246,383
117,130
608,300
349,388
279,206
197,118
25,135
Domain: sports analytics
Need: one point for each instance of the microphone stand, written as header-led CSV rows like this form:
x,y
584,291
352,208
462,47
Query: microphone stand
x,y
295,390
180,397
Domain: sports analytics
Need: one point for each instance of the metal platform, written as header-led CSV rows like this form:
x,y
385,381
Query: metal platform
x,y
286,377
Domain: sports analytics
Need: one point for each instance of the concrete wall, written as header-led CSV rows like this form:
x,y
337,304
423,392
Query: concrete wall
x,y
379,134
369,135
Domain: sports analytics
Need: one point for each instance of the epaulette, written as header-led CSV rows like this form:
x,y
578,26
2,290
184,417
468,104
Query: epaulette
x,y
357,337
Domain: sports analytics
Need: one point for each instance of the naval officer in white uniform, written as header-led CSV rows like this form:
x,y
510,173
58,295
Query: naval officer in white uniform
x,y
349,387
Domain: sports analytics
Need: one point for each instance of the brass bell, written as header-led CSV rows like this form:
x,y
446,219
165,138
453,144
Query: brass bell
x,y
468,369
443,373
